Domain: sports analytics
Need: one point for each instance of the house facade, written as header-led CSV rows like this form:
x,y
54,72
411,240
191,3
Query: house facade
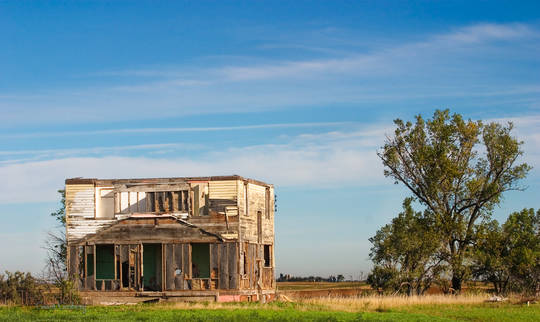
x,y
209,237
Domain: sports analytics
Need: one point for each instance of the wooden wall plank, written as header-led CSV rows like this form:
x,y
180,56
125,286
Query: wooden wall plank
x,y
179,279
252,258
170,267
95,271
73,259
214,260
223,267
88,250
233,265
186,259
115,261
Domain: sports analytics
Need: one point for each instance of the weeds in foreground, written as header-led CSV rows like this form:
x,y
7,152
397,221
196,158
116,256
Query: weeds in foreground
x,y
397,308
372,303
382,303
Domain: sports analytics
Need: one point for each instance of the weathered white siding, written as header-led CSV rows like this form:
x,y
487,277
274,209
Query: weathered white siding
x,y
222,196
79,228
255,203
268,218
80,201
80,211
223,189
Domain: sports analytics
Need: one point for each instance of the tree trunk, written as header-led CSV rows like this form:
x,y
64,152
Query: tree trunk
x,y
456,283
496,287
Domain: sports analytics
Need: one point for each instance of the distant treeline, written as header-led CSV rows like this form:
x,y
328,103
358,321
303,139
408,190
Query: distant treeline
x,y
289,278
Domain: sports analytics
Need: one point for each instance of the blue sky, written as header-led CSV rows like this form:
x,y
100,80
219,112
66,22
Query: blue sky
x,y
298,94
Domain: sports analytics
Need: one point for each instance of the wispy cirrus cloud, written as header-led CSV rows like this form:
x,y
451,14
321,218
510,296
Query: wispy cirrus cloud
x,y
467,61
37,154
487,32
377,62
174,129
332,158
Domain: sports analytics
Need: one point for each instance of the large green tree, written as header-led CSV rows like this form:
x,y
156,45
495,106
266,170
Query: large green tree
x,y
458,169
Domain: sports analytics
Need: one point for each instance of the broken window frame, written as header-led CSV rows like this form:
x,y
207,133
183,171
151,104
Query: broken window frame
x,y
175,201
267,256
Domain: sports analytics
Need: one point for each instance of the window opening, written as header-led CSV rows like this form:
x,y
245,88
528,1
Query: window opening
x,y
200,260
267,256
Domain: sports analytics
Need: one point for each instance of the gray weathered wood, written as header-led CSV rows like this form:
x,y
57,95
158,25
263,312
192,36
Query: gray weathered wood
x,y
214,261
178,279
196,201
252,265
94,252
233,265
223,267
169,263
186,253
146,233
73,261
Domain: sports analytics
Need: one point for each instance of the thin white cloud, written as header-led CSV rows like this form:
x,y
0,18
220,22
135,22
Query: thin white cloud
x,y
167,84
336,158
445,66
333,159
304,69
487,32
374,62
56,153
377,62
176,129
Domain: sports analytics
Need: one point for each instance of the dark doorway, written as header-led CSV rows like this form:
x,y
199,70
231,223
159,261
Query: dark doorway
x,y
200,260
105,262
152,267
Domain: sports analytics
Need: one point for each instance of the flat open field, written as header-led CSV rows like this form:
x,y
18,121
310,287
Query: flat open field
x,y
429,308
294,286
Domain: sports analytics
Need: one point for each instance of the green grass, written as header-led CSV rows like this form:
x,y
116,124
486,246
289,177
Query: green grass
x,y
273,312
479,312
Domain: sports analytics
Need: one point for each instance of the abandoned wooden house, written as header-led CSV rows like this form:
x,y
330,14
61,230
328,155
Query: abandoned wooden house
x,y
209,237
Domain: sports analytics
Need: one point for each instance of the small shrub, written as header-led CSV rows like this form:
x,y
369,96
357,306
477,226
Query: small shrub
x,y
68,292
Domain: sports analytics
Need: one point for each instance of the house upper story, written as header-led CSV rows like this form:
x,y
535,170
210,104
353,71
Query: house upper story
x,y
231,207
